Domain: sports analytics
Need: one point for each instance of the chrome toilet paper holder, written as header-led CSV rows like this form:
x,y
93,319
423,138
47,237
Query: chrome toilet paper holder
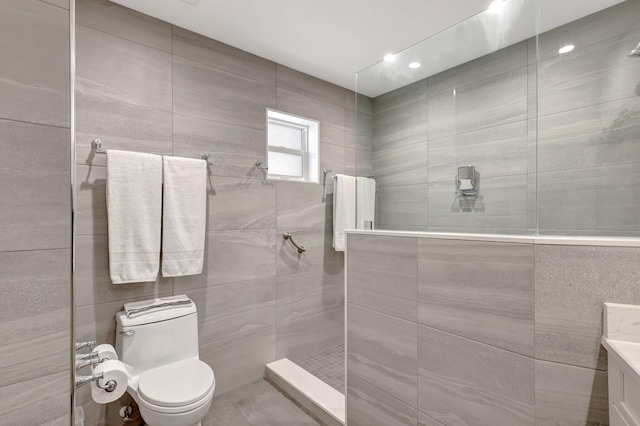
x,y
110,386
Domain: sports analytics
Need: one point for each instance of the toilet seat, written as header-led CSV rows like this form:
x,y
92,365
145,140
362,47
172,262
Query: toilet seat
x,y
177,387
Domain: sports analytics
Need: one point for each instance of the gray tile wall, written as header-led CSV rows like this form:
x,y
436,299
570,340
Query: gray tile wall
x,y
35,214
144,85
582,109
486,333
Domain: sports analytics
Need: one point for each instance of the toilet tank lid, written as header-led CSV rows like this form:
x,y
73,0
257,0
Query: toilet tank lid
x,y
155,310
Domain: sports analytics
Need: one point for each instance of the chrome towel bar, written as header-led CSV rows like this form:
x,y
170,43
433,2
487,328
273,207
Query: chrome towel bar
x,y
97,144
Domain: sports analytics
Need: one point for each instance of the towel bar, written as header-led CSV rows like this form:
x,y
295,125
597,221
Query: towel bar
x,y
97,144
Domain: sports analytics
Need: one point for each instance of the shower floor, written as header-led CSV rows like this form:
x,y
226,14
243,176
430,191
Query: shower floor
x,y
327,365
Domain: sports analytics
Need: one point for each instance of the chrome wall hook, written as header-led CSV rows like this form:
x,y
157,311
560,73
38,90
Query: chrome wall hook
x,y
260,165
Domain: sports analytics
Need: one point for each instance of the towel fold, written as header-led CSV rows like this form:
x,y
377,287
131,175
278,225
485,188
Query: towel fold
x,y
184,216
344,209
135,309
365,202
134,206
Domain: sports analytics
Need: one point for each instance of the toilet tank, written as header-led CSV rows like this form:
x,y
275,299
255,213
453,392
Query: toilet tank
x,y
158,338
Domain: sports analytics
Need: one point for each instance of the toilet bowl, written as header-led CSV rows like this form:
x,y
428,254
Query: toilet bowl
x,y
168,381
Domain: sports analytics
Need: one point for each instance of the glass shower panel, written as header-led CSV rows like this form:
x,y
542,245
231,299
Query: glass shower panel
x,y
469,103
589,123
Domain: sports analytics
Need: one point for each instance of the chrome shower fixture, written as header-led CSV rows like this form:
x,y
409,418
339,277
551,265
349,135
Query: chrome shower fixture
x,y
636,51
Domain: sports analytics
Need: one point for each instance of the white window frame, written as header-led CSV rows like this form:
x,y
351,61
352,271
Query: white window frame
x,y
309,148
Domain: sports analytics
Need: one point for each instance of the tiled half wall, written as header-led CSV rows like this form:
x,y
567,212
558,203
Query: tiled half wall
x,y
495,332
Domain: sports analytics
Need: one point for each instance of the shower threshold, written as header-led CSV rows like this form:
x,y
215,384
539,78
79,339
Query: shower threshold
x,y
317,397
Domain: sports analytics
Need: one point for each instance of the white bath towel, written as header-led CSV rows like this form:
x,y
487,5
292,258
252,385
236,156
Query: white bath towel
x,y
135,309
344,209
365,202
134,208
184,216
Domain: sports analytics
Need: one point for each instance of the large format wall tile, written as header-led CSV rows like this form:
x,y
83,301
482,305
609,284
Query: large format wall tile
x,y
118,125
35,63
123,22
382,349
43,400
591,29
93,282
134,74
568,395
401,126
600,135
465,382
497,100
234,149
325,112
590,200
304,84
304,205
34,314
238,360
491,65
236,203
591,75
404,166
572,283
368,406
382,274
496,151
234,256
91,200
403,96
234,309
400,207
34,186
308,293
310,334
189,45
205,92
479,290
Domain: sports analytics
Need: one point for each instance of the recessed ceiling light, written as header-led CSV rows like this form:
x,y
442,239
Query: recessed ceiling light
x,y
566,49
389,57
414,65
497,5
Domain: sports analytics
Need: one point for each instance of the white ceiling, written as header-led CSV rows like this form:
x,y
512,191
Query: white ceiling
x,y
335,39
329,39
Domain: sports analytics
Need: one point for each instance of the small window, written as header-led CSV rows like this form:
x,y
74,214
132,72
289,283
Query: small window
x,y
292,147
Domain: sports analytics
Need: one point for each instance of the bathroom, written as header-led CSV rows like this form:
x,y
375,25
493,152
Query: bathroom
x,y
512,313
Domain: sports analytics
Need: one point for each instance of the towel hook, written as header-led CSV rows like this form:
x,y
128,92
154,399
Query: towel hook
x,y
287,236
260,165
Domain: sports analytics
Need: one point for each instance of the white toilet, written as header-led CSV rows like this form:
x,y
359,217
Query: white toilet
x,y
170,384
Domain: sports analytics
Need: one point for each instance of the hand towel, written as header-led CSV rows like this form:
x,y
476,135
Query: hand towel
x,y
184,216
344,209
135,309
365,202
134,208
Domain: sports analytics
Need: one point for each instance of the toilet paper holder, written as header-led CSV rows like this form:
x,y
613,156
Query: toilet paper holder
x,y
110,386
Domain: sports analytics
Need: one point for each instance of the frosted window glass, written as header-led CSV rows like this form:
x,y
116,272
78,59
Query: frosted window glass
x,y
285,136
285,164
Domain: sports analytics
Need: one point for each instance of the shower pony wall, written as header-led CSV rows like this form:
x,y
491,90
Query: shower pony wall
x,y
448,328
